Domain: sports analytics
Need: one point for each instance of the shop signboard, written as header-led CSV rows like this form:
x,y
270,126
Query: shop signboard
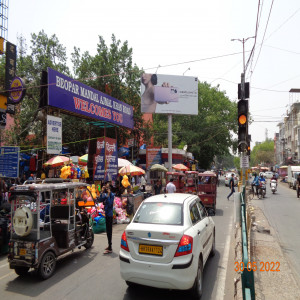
x,y
73,96
10,72
54,135
99,160
106,159
169,94
9,161
153,156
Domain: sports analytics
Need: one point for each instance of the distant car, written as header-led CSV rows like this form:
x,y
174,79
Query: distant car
x,y
228,176
268,174
168,243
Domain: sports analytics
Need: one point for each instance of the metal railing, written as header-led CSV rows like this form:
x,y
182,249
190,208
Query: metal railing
x,y
247,274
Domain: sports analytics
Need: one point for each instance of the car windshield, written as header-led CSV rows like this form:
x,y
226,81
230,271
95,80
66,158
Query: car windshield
x,y
159,213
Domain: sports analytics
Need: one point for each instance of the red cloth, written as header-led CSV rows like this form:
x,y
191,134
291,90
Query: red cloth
x,y
32,164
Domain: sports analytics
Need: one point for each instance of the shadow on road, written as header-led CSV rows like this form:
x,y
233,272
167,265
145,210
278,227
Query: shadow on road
x,y
31,285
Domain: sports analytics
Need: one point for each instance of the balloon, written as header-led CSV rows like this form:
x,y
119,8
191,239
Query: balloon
x,y
125,181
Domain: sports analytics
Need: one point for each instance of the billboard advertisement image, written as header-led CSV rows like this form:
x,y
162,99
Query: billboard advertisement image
x,y
169,94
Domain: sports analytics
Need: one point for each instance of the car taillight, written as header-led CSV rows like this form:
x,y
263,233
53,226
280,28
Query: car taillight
x,y
185,246
124,244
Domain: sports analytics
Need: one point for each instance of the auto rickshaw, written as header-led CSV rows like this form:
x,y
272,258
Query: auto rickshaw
x,y
191,182
178,180
207,190
49,219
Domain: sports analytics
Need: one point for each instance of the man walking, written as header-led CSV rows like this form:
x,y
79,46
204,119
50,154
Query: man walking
x,y
107,197
171,188
231,185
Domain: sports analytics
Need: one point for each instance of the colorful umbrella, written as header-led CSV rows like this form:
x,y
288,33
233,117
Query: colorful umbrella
x,y
158,167
58,160
123,162
83,159
180,167
131,170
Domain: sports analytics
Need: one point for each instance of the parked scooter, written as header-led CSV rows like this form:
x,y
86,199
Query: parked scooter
x,y
273,185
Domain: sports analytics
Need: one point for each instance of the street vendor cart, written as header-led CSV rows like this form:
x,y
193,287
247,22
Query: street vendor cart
x,y
207,190
191,182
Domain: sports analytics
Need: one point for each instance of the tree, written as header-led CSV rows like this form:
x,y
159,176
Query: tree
x,y
263,153
45,52
208,134
112,71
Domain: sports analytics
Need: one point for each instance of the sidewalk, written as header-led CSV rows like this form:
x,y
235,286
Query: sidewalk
x,y
265,251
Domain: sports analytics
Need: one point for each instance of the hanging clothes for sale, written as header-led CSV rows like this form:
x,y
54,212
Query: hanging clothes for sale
x,y
32,163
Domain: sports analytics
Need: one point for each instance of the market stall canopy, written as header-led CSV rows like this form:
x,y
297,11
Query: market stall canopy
x,y
131,170
158,167
180,167
123,162
58,160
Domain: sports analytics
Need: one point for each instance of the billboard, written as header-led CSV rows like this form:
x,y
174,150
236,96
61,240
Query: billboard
x,y
169,94
73,96
106,160
54,135
9,161
153,156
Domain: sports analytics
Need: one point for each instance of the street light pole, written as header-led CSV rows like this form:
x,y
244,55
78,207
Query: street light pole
x,y
243,98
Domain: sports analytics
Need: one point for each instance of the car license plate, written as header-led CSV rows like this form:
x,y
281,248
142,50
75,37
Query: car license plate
x,y
22,252
150,249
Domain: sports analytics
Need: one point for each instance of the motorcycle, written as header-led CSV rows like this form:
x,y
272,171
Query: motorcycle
x,y
262,190
273,186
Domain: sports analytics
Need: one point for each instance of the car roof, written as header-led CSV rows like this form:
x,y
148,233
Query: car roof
x,y
173,197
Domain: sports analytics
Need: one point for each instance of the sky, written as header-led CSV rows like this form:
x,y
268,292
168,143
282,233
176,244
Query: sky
x,y
193,38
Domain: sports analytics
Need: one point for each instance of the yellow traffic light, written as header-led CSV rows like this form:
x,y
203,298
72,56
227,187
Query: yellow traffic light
x,y
242,119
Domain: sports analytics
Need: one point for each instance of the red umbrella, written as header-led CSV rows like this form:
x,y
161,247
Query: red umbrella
x,y
58,160
180,167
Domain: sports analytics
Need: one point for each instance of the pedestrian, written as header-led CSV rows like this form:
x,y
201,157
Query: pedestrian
x,y
43,174
3,190
31,177
107,197
23,179
143,183
157,188
171,188
231,185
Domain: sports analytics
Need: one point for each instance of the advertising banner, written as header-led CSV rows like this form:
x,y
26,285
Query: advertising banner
x,y
106,160
153,156
9,162
73,96
111,159
54,135
169,94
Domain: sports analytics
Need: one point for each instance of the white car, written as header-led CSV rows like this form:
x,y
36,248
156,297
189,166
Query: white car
x,y
168,243
268,174
228,177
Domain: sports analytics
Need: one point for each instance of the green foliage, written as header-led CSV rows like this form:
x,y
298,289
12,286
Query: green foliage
x,y
237,162
263,153
209,133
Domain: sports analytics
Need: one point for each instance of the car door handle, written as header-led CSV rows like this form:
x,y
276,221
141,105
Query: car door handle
x,y
199,232
206,224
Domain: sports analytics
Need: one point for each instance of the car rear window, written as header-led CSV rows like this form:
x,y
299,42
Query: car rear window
x,y
159,213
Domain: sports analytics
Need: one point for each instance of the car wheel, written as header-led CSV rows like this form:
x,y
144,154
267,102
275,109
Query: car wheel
x,y
21,271
90,239
47,265
197,288
213,247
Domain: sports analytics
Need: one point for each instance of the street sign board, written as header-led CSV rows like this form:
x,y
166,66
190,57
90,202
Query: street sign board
x,y
130,142
244,162
9,161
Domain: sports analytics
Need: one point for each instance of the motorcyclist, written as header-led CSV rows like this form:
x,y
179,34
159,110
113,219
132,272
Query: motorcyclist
x,y
255,182
262,180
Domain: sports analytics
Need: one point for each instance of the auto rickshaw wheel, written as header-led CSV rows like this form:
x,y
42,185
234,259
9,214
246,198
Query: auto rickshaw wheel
x,y
47,265
21,271
89,239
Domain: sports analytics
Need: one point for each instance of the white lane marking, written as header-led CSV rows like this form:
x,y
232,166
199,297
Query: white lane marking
x,y
224,264
7,275
4,266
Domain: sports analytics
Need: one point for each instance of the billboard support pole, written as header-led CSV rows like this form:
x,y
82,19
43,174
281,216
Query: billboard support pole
x,y
170,142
